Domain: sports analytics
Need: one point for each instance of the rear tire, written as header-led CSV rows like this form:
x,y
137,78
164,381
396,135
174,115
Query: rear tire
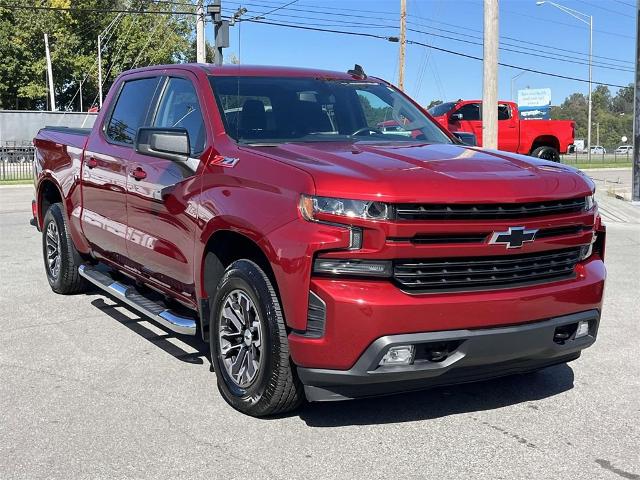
x,y
249,345
61,259
546,153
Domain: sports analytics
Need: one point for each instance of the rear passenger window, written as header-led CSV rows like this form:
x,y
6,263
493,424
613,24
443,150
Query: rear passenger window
x,y
131,109
179,108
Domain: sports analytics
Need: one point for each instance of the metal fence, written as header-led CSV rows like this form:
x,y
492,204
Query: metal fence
x,y
598,158
16,161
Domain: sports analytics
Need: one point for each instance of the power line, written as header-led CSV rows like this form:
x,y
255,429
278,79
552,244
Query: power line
x,y
332,12
504,47
92,10
394,21
610,10
414,42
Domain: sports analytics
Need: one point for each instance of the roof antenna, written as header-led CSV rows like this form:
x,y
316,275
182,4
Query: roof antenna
x,y
357,71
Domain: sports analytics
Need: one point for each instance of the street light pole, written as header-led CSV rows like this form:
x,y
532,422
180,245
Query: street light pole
x,y
513,81
583,18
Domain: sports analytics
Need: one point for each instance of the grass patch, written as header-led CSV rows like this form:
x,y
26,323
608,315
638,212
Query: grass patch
x,y
26,181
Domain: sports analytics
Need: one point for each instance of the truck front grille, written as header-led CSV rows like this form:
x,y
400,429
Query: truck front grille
x,y
417,211
475,273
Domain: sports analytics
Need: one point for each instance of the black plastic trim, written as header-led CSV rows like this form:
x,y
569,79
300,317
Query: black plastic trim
x,y
482,353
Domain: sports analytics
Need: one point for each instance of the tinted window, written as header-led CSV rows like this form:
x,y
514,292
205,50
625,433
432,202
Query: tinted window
x,y
281,109
441,109
470,111
504,112
131,110
179,108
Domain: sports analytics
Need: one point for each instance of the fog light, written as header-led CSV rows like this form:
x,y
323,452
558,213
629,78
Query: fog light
x,y
399,355
583,329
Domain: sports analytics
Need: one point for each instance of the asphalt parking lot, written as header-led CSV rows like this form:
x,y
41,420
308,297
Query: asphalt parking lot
x,y
90,390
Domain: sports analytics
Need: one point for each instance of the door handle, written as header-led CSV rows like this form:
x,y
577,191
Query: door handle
x,y
138,173
92,162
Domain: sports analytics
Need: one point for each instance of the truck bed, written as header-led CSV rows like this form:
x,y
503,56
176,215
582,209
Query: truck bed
x,y
71,137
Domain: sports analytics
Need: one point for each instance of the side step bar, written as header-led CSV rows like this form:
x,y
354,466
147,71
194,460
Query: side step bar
x,y
130,296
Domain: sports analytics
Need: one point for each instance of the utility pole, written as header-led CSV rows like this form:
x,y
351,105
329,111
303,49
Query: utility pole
x,y
52,93
220,29
81,95
201,52
635,193
590,87
490,76
403,42
99,72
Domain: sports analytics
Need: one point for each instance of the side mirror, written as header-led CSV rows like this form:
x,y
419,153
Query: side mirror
x,y
456,117
170,143
466,138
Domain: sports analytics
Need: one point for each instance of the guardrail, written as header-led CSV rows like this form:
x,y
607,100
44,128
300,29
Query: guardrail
x,y
16,162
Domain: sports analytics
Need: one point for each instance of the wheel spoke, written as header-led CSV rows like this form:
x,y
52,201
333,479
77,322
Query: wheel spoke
x,y
232,316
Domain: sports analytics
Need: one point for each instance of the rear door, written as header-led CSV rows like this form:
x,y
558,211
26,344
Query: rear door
x,y
161,213
104,170
508,131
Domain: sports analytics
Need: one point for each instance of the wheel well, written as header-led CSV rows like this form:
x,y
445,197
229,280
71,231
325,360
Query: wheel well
x,y
49,194
546,141
227,247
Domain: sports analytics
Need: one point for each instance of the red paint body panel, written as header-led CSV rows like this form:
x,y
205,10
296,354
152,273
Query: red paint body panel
x,y
514,135
156,227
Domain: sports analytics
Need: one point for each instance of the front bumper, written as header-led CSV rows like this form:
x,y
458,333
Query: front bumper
x,y
478,354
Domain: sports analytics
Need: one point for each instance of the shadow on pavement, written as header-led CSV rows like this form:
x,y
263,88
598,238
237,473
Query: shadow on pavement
x,y
424,405
442,401
200,356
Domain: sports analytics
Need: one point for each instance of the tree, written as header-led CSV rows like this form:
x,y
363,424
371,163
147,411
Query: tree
x,y
623,101
433,103
134,40
611,114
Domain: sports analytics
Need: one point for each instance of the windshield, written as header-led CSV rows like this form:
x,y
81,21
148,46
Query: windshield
x,y
281,109
442,109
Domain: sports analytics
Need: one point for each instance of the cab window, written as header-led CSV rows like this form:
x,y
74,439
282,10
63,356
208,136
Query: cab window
x,y
470,111
179,108
131,109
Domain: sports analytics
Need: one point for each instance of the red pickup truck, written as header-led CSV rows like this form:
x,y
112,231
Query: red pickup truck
x,y
545,139
263,209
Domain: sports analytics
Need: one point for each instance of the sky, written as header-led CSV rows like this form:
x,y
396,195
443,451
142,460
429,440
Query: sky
x,y
432,74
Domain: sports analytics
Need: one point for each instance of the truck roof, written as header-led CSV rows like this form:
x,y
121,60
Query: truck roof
x,y
251,70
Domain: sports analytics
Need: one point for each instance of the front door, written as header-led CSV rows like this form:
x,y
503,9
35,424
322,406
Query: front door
x,y
104,170
161,214
467,118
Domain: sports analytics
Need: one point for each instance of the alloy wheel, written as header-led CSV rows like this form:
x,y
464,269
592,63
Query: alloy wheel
x,y
240,338
53,249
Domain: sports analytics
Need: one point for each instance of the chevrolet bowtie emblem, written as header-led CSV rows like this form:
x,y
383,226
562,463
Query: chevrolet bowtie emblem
x,y
515,237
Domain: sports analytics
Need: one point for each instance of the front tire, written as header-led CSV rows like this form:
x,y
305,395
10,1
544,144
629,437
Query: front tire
x,y
61,259
249,347
546,153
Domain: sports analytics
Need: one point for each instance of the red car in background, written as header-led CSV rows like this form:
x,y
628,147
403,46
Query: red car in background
x,y
539,138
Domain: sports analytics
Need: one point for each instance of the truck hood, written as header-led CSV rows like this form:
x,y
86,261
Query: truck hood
x,y
438,173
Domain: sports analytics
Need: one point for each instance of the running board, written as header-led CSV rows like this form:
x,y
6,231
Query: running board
x,y
130,296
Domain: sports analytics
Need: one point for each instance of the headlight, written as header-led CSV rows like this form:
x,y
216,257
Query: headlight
x,y
358,268
310,206
589,202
